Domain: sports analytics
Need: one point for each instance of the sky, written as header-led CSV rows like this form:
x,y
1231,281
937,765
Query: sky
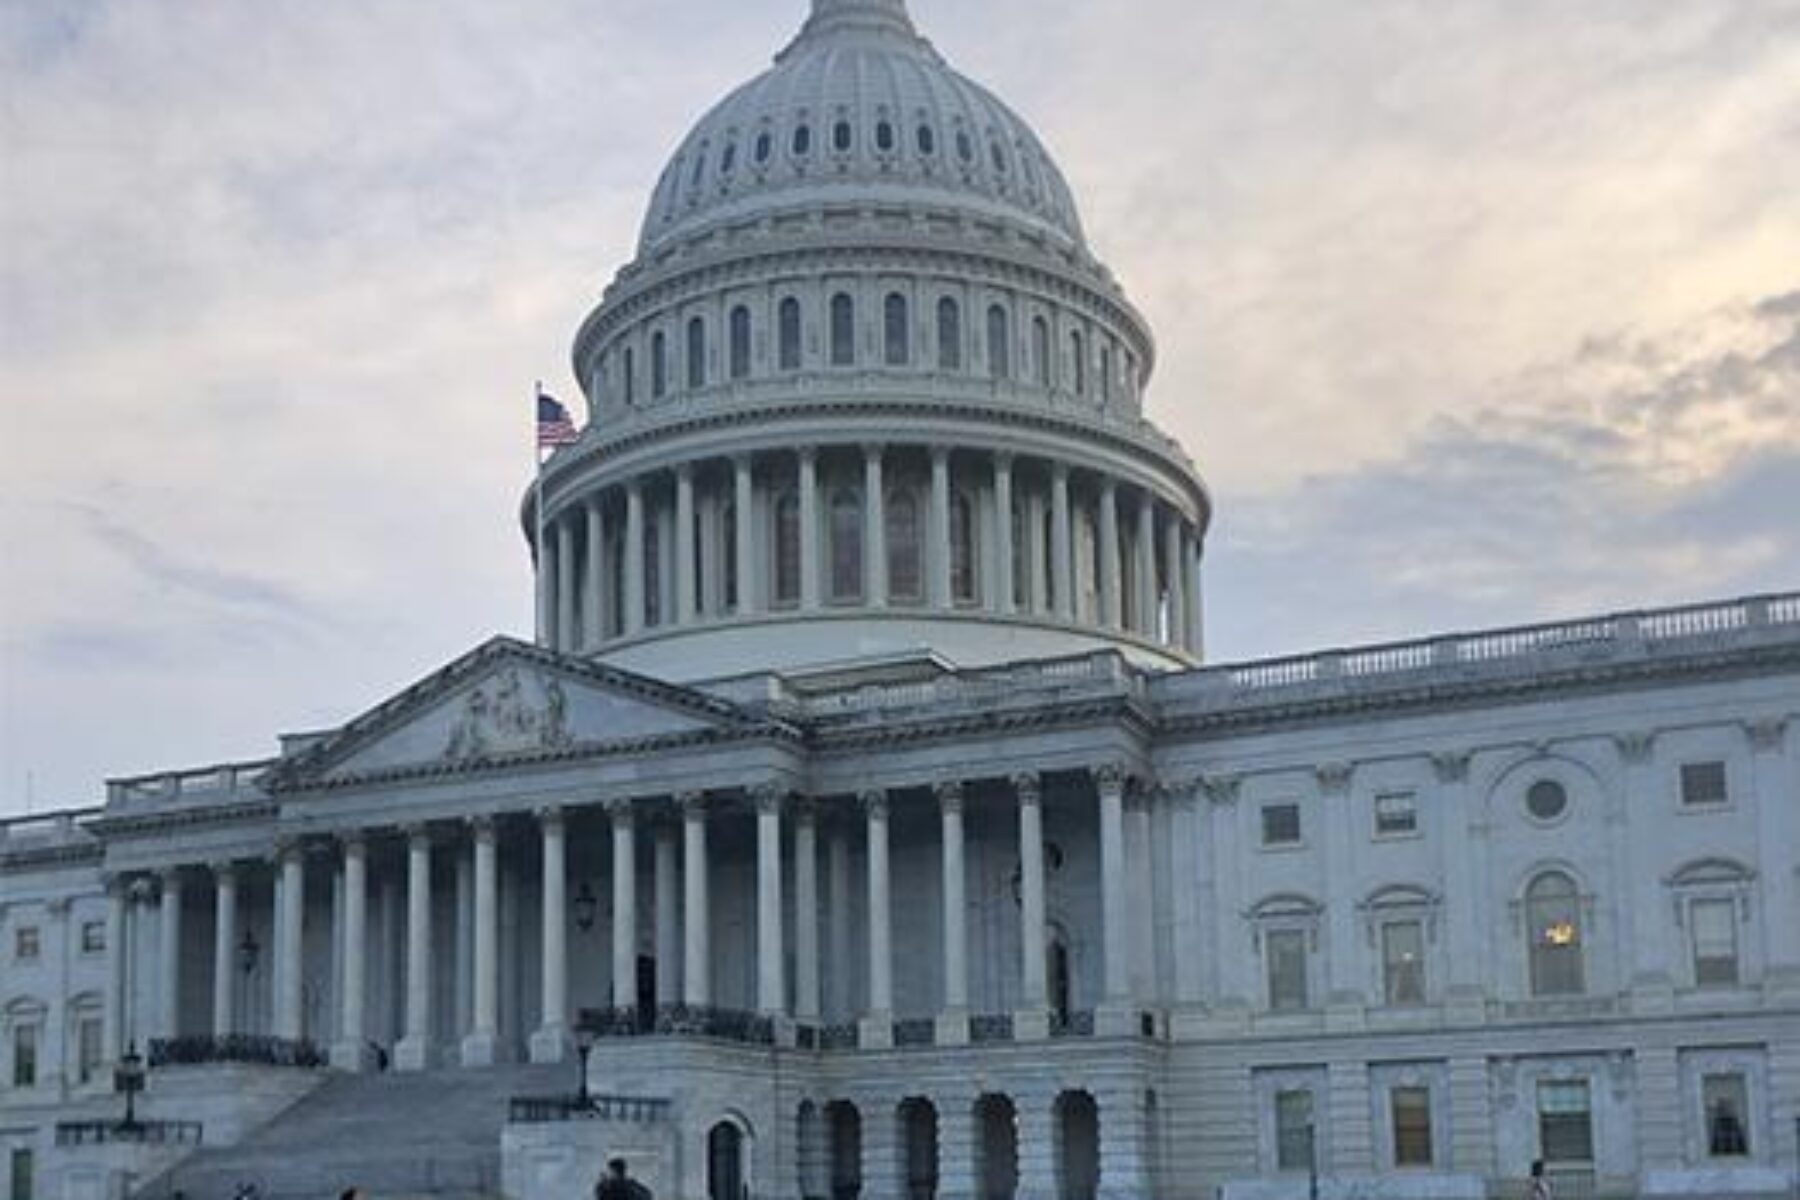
x,y
1472,313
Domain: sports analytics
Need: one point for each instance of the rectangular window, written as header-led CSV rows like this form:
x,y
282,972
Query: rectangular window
x,y
1714,926
1294,1134
22,1180
1281,824
1396,814
1726,1102
1403,962
1703,784
1412,1126
87,1048
1286,949
93,937
1565,1122
26,943
25,1056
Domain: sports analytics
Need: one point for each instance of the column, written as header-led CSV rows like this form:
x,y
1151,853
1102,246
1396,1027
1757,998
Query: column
x,y
461,1000
1343,961
594,625
1196,599
685,611
937,532
290,931
1003,532
749,563
1776,785
414,1051
567,584
806,912
667,884
955,898
113,1029
875,525
771,956
1110,783
696,973
168,992
1185,865
478,1048
1037,590
351,1051
878,1017
1111,592
837,863
624,904
809,527
1146,566
1061,545
1138,896
1034,974
544,552
549,1044
957,1134
225,922
1175,570
634,557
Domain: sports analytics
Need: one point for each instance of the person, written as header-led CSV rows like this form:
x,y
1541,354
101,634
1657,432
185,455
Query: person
x,y
617,1184
1540,1184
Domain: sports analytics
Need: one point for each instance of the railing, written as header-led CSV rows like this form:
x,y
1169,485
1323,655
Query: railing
x,y
144,1133
838,1037
994,1027
173,785
915,1033
680,1020
550,1110
1102,667
238,1048
1072,1024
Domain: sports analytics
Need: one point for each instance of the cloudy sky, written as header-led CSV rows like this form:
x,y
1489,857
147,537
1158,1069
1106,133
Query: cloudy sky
x,y
1472,312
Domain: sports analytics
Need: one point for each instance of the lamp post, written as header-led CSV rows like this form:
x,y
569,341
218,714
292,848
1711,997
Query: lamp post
x,y
1312,1161
586,906
584,1046
128,1077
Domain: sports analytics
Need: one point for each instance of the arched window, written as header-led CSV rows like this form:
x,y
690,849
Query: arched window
x,y
764,144
1040,349
696,354
659,365
846,545
653,572
843,136
1553,925
843,330
884,137
905,548
630,369
740,342
790,334
802,141
964,586
896,330
787,549
728,553
927,141
728,160
1078,353
949,334
1106,373
999,343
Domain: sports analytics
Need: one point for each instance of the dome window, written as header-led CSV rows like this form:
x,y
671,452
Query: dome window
x,y
1078,354
740,342
630,377
696,354
927,141
842,137
765,145
1040,350
949,333
786,551
965,146
846,546
802,141
905,548
699,167
884,137
999,342
789,334
728,160
659,365
843,330
999,157
897,321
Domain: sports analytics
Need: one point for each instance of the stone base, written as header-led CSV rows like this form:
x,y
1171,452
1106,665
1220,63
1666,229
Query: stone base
x,y
1464,1005
1652,995
952,1028
412,1054
875,1032
550,1044
1116,1020
356,1057
480,1050
1031,1025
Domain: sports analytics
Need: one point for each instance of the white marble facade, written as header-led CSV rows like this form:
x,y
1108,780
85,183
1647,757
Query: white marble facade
x,y
898,830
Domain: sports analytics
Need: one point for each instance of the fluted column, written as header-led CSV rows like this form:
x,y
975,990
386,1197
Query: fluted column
x,y
880,1012
290,933
1110,784
168,992
350,1052
1111,596
1146,566
634,557
624,904
1003,530
567,584
113,1017
1034,973
1175,571
549,1042
806,912
771,956
696,975
544,551
478,1047
838,933
593,626
1061,543
749,563
225,924
809,527
683,574
414,1051
1189,869
875,525
937,533
667,885
1196,598
955,898
1139,898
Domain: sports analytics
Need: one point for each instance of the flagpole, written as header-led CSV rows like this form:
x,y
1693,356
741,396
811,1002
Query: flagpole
x,y
537,458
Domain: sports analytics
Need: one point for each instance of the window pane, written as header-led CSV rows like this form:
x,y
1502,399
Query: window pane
x,y
787,550
696,353
1727,1104
950,355
1078,359
653,597
25,1043
740,343
843,331
1714,925
1553,923
93,937
999,340
904,547
1294,1136
1040,350
1565,1128
790,334
22,1181
659,365
88,1049
1396,813
962,549
1403,961
1280,824
897,331
1286,949
846,546
1412,1127
1703,783
25,942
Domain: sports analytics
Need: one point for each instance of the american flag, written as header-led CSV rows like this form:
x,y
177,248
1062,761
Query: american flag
x,y
554,428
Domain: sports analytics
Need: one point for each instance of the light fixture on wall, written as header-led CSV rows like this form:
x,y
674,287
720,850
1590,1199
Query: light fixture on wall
x,y
249,952
586,906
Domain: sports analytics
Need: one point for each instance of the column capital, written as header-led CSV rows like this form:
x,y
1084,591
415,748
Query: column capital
x,y
1109,488
743,460
1110,777
940,453
874,802
1059,470
1334,778
684,472
289,846
874,451
950,797
171,878
549,816
1028,787
1452,766
223,869
768,798
483,827
1003,460
1181,792
620,809
1766,734
1138,796
1636,746
1222,789
806,452
417,836
805,809
352,839
693,805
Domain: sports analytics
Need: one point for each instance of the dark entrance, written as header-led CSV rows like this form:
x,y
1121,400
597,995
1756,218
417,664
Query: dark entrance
x,y
725,1163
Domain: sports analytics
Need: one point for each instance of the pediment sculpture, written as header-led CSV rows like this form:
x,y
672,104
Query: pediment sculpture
x,y
512,713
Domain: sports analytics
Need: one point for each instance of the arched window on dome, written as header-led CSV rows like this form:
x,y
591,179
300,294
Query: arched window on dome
x,y
787,550
949,335
740,342
789,334
802,140
965,147
884,137
843,137
1078,361
765,145
843,330
728,554
998,155
896,330
1553,929
1107,368
846,546
999,339
905,548
1040,350
728,159
964,585
696,354
699,168
659,365
927,140
629,368
653,572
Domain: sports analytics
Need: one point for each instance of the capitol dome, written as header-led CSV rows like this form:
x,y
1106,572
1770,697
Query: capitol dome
x,y
865,393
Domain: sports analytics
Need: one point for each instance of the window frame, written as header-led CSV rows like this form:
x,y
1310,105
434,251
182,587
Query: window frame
x,y
1691,770
1540,984
1585,1087
93,945
1412,828
1390,970
1263,811
1288,1141
28,944
841,331
851,556
1422,1091
1747,1142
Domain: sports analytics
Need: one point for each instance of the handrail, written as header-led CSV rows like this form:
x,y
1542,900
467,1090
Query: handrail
x,y
147,1133
241,1048
547,1110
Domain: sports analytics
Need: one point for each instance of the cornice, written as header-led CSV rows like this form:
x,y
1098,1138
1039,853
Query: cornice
x,y
75,854
163,820
1125,712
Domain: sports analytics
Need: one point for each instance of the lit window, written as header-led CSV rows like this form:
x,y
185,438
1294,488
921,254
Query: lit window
x,y
740,342
999,343
1286,951
25,1056
896,330
843,330
1565,1122
904,548
1403,962
93,937
1281,824
1411,1108
1703,784
1726,1102
1714,927
1553,923
696,353
1547,800
790,334
1294,1135
950,353
846,545
1396,814
26,943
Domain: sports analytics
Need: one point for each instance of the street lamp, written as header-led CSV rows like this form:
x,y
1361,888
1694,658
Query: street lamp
x,y
584,1046
248,952
128,1077
586,906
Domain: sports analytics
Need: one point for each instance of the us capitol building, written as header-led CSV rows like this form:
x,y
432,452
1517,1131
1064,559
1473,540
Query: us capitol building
x,y
865,821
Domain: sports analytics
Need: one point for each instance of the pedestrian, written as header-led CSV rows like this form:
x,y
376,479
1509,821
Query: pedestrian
x,y
1540,1184
617,1184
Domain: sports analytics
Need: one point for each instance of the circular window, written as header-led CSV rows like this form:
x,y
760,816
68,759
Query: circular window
x,y
1547,800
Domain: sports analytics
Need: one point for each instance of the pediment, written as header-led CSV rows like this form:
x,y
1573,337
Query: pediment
x,y
505,703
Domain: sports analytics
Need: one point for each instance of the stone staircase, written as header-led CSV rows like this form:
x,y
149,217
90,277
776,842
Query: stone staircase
x,y
431,1133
